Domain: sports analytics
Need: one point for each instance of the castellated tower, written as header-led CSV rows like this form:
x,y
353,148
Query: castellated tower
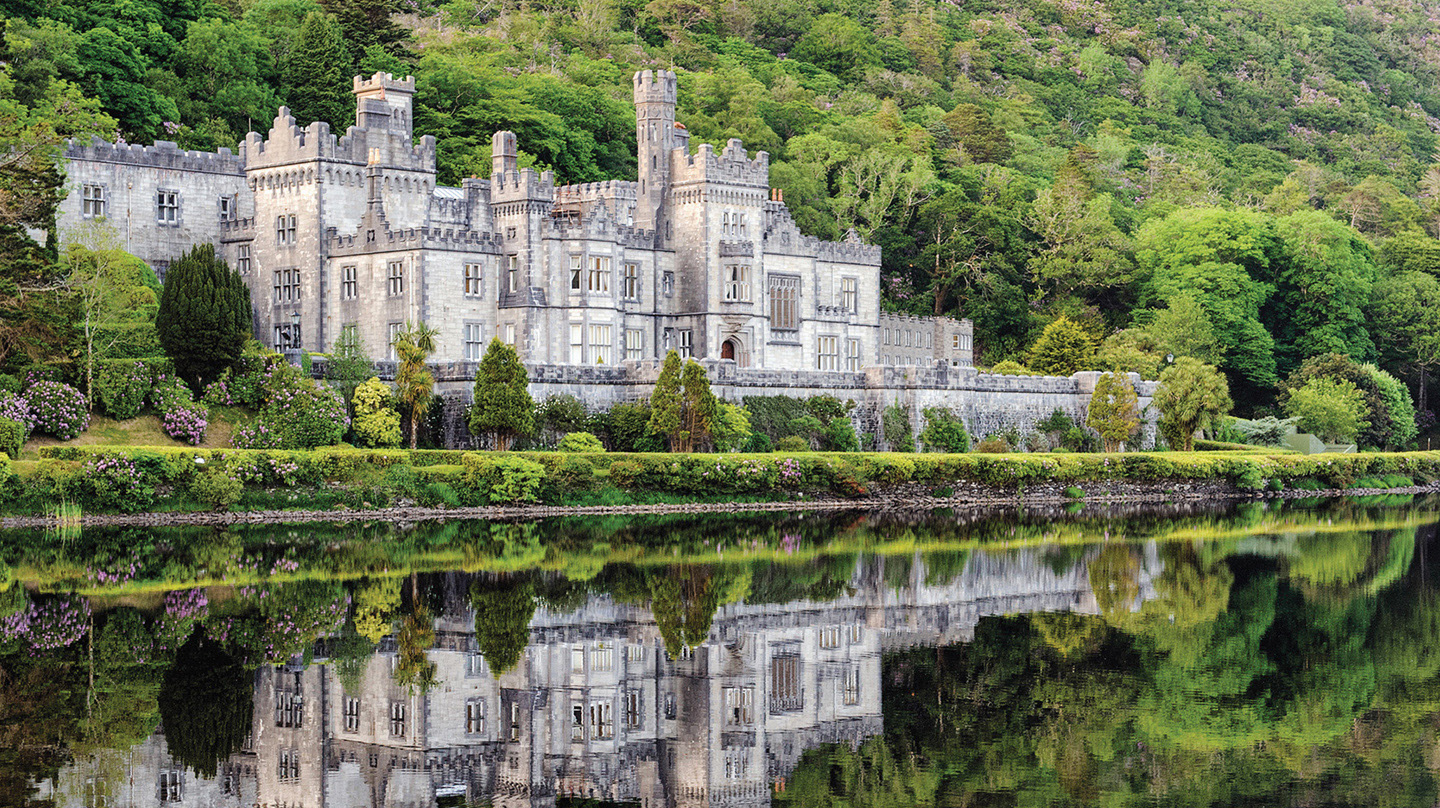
x,y
655,136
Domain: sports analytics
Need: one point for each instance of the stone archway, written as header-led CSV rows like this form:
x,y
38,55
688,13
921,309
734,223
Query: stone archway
x,y
729,349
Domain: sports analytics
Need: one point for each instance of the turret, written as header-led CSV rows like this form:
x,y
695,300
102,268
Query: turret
x,y
504,156
384,102
655,136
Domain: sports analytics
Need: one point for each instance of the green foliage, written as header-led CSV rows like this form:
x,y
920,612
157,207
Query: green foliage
x,y
121,387
580,442
840,436
1333,410
1398,406
204,316
944,431
57,409
629,428
1191,396
502,621
376,423
558,416
895,421
502,479
730,429
791,444
666,402
1114,411
1380,428
1011,368
348,364
12,437
503,408
206,705
320,74
217,487
414,383
1063,349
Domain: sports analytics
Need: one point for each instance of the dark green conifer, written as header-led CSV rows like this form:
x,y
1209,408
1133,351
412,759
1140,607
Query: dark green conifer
x,y
320,77
204,316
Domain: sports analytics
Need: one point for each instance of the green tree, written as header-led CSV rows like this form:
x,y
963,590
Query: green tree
x,y
698,407
667,402
414,383
503,407
1405,317
206,705
1183,328
1322,288
109,288
320,75
502,621
1332,409
369,27
1062,349
349,364
376,423
838,44
204,315
1114,410
1191,396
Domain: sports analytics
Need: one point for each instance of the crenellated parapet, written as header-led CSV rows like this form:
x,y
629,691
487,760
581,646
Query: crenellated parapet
x,y
162,154
412,238
286,142
241,229
731,166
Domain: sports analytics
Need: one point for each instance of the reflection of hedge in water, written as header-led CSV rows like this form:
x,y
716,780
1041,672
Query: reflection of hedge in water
x,y
1259,687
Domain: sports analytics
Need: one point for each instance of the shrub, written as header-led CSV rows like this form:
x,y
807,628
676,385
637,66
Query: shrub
x,y
626,473
790,444
1062,349
377,423
12,437
759,443
581,442
840,436
895,421
219,488
1334,410
436,495
17,409
575,474
1114,411
402,481
944,431
9,383
503,479
993,444
57,409
117,482
1011,368
121,387
297,414
187,422
630,428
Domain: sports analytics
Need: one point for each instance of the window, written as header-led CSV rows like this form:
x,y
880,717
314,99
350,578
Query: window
x,y
685,342
784,302
909,338
514,721
289,708
852,355
288,767
667,284
287,285
92,201
473,344
577,722
167,207
599,280
850,686
630,283
725,223
472,280
830,637
857,633
600,344
577,271
849,297
393,334
886,338
577,343
602,657
229,206
510,334
827,353
349,283
474,665
739,705
397,719
602,725
395,276
737,764
242,259
285,229
785,692
512,273
634,716
635,653
737,282
352,715
577,659
475,717
634,344
171,787
670,707
349,335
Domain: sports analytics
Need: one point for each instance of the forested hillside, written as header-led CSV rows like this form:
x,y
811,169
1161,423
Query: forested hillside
x,y
1116,162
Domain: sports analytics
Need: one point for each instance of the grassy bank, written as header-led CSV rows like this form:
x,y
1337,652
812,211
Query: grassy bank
x,y
129,479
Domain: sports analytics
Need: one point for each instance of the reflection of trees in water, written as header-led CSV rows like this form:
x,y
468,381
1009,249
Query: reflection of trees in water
x,y
206,705
503,607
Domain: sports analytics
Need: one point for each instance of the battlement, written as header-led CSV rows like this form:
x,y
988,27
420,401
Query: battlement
x,y
899,319
655,87
412,238
732,166
287,143
162,154
847,252
523,184
588,192
237,229
379,83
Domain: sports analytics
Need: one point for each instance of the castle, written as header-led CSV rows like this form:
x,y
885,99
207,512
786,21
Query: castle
x,y
353,234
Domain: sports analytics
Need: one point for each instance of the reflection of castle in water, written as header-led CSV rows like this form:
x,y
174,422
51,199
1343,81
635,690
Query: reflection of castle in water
x,y
595,708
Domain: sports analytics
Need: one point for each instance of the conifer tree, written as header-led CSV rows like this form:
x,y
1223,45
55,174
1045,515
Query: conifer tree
x,y
204,315
206,705
319,74
1063,348
503,407
698,413
666,403
1114,410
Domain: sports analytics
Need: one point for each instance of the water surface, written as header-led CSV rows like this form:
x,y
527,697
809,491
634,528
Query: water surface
x,y
1259,655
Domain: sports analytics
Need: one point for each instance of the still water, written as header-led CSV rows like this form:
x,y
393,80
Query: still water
x,y
1255,655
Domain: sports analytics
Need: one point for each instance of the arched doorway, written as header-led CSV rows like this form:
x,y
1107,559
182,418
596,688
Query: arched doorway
x,y
728,349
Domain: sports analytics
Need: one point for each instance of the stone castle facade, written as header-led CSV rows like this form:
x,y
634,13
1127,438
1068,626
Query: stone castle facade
x,y
352,233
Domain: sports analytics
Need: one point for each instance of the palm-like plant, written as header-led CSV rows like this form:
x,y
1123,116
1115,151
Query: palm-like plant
x,y
413,380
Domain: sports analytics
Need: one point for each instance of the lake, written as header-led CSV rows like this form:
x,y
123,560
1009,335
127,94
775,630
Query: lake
x,y
1250,654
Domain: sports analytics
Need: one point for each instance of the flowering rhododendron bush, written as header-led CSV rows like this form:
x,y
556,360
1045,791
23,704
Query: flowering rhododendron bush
x,y
121,388
184,418
14,407
57,409
298,413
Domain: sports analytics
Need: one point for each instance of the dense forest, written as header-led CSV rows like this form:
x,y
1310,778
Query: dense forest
x,y
1250,183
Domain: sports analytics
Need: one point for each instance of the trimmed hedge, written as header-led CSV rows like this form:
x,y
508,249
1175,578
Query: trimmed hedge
x,y
478,478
